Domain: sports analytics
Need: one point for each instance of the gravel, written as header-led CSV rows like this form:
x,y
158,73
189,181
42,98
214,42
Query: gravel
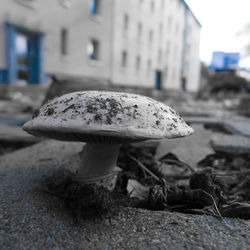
x,y
30,219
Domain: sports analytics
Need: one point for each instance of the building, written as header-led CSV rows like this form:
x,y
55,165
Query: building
x,y
148,43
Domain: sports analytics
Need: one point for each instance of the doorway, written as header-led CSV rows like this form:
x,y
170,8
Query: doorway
x,y
24,55
22,58
158,79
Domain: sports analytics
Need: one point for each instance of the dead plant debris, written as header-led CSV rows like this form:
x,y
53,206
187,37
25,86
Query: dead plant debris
x,y
220,187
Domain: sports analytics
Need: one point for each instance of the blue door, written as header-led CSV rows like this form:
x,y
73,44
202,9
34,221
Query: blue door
x,y
24,55
158,79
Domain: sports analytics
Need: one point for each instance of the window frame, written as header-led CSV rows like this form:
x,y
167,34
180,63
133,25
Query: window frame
x,y
94,7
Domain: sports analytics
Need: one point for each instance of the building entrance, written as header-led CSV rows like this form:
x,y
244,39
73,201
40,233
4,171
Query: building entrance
x,y
158,79
24,55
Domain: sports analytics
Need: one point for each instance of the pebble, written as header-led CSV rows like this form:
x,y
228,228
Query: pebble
x,y
155,241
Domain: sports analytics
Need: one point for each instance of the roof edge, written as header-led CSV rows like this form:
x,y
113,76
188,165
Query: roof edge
x,y
187,6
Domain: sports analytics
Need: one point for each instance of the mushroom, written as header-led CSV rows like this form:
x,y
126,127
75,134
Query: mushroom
x,y
105,120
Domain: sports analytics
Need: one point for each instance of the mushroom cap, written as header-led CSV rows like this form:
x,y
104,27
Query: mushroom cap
x,y
100,116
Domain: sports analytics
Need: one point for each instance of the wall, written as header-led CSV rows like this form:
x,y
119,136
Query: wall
x,y
129,41
49,17
193,73
168,23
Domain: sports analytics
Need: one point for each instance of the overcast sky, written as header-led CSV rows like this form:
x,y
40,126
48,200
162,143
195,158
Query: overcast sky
x,y
221,20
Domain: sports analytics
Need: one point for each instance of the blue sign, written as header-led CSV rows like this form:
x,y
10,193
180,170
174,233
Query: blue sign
x,y
224,61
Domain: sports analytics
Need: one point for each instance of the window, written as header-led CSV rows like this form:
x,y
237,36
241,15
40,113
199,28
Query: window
x,y
160,27
94,49
125,22
152,6
64,42
149,66
175,53
168,48
160,30
94,6
169,23
138,62
150,36
66,3
189,30
162,4
33,4
176,28
159,56
124,59
166,71
180,3
173,75
139,27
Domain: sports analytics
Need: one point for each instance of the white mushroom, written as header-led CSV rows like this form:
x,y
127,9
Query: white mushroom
x,y
105,120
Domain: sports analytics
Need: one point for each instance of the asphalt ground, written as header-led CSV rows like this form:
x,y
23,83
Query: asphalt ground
x,y
30,219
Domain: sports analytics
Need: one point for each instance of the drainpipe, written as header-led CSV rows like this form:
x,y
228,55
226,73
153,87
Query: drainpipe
x,y
112,41
183,70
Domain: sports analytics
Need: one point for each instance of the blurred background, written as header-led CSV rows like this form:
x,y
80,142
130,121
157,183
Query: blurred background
x,y
133,43
159,48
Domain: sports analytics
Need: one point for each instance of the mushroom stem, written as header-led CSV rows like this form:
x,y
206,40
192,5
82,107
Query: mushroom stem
x,y
98,160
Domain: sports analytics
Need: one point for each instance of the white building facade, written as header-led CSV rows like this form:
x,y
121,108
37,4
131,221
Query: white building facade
x,y
142,43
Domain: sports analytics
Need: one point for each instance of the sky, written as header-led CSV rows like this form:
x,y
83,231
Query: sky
x,y
222,21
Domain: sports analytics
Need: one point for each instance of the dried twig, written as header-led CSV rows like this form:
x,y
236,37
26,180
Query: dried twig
x,y
237,209
177,177
216,209
131,192
199,211
242,172
180,163
143,167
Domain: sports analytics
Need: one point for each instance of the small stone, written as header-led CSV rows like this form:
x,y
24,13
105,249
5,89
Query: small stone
x,y
232,144
155,241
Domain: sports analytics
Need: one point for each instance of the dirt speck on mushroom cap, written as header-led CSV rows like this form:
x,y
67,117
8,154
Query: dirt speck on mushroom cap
x,y
116,114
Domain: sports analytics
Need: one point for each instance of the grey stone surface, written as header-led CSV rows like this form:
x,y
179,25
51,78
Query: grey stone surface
x,y
235,124
14,119
238,124
191,149
11,135
47,152
33,220
19,102
231,144
196,108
